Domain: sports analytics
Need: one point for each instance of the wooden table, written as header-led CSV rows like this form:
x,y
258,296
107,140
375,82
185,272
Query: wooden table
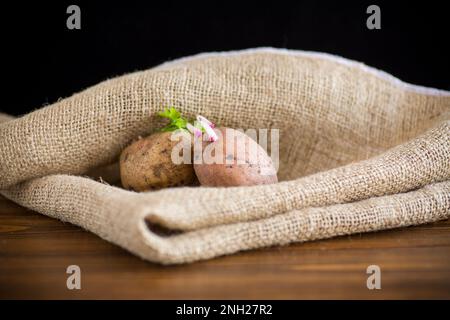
x,y
35,251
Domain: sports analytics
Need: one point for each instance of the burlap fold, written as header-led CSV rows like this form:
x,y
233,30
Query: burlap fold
x,y
359,151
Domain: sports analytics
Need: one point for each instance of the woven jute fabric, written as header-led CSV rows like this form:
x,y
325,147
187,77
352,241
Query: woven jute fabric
x,y
359,151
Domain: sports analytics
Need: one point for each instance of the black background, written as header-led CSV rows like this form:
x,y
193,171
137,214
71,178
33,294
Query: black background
x,y
44,61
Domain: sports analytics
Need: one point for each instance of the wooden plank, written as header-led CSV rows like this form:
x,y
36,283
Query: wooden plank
x,y
35,251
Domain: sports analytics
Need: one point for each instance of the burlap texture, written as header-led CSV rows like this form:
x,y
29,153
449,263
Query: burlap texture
x,y
359,151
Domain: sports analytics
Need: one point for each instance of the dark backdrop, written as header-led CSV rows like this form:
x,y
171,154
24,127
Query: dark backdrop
x,y
44,61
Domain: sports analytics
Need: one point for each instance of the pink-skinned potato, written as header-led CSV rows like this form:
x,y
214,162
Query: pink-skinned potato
x,y
234,159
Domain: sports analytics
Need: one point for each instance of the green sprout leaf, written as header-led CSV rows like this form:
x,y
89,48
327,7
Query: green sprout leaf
x,y
170,113
176,121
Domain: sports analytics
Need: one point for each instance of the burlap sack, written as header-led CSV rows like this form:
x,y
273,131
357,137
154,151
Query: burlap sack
x,y
359,151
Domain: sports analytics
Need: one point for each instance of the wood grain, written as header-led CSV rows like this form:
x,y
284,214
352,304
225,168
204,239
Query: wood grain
x,y
35,251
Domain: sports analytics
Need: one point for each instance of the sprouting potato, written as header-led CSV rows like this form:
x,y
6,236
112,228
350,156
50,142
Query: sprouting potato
x,y
246,163
228,158
147,164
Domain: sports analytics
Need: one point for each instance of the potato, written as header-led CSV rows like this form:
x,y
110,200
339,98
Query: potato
x,y
146,164
242,163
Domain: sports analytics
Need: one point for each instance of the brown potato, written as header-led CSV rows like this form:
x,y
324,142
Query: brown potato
x,y
146,164
242,163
